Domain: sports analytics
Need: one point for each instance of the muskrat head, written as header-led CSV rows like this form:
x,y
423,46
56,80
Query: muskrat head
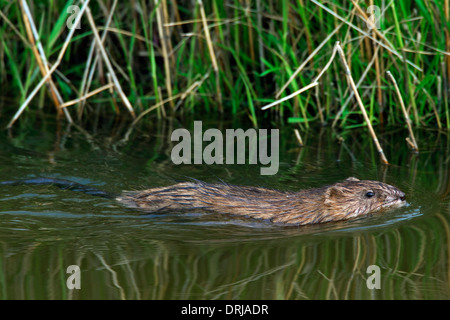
x,y
353,197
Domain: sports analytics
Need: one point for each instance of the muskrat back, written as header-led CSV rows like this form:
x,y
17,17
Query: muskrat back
x,y
344,200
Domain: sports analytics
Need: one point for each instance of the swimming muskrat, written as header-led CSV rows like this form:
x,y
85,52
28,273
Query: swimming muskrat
x,y
344,200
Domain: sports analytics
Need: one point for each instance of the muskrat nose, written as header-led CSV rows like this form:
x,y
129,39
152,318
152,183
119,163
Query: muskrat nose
x,y
402,196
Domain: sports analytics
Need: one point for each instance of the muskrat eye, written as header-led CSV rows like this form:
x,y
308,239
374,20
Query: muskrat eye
x,y
369,194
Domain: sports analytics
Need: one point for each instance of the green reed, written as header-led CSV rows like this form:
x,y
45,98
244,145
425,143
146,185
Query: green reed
x,y
161,53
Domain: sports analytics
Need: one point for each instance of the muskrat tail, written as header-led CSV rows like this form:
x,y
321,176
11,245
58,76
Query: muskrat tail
x,y
62,184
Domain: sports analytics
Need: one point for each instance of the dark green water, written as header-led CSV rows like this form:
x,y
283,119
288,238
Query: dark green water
x,y
125,255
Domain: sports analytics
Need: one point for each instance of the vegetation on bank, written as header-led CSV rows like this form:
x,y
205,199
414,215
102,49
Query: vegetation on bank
x,y
153,59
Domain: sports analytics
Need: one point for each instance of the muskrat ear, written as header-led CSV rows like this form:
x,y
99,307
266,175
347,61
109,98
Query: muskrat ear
x,y
352,179
331,194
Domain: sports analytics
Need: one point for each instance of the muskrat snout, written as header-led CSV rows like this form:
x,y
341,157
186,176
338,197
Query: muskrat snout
x,y
393,197
400,195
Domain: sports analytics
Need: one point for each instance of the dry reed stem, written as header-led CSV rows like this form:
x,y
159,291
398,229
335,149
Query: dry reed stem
x,y
378,75
299,137
211,54
111,91
192,21
413,142
163,38
410,143
326,66
54,67
88,76
378,79
260,40
182,96
358,99
429,53
13,27
312,55
311,85
162,109
319,107
108,63
250,32
41,59
124,32
361,79
192,88
167,34
433,106
159,104
447,34
367,35
88,95
374,30
292,95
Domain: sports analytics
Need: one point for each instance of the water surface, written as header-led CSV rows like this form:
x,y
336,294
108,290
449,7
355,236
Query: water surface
x,y
123,254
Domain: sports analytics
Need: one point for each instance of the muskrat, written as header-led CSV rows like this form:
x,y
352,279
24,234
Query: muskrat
x,y
349,199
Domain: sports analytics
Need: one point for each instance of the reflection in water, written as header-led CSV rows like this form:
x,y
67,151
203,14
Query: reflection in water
x,y
413,262
125,255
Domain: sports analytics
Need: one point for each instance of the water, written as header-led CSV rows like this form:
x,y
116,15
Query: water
x,y
123,254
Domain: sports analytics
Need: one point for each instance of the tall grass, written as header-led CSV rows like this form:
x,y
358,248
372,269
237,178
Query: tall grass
x,y
205,57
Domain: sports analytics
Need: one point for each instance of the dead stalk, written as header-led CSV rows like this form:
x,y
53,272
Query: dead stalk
x,y
447,35
314,83
108,63
260,40
88,95
389,48
163,38
299,137
54,67
361,79
300,68
319,106
192,89
211,53
358,99
41,59
90,67
159,104
412,142
167,32
309,86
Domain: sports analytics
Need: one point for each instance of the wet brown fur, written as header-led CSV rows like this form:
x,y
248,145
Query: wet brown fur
x,y
341,201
